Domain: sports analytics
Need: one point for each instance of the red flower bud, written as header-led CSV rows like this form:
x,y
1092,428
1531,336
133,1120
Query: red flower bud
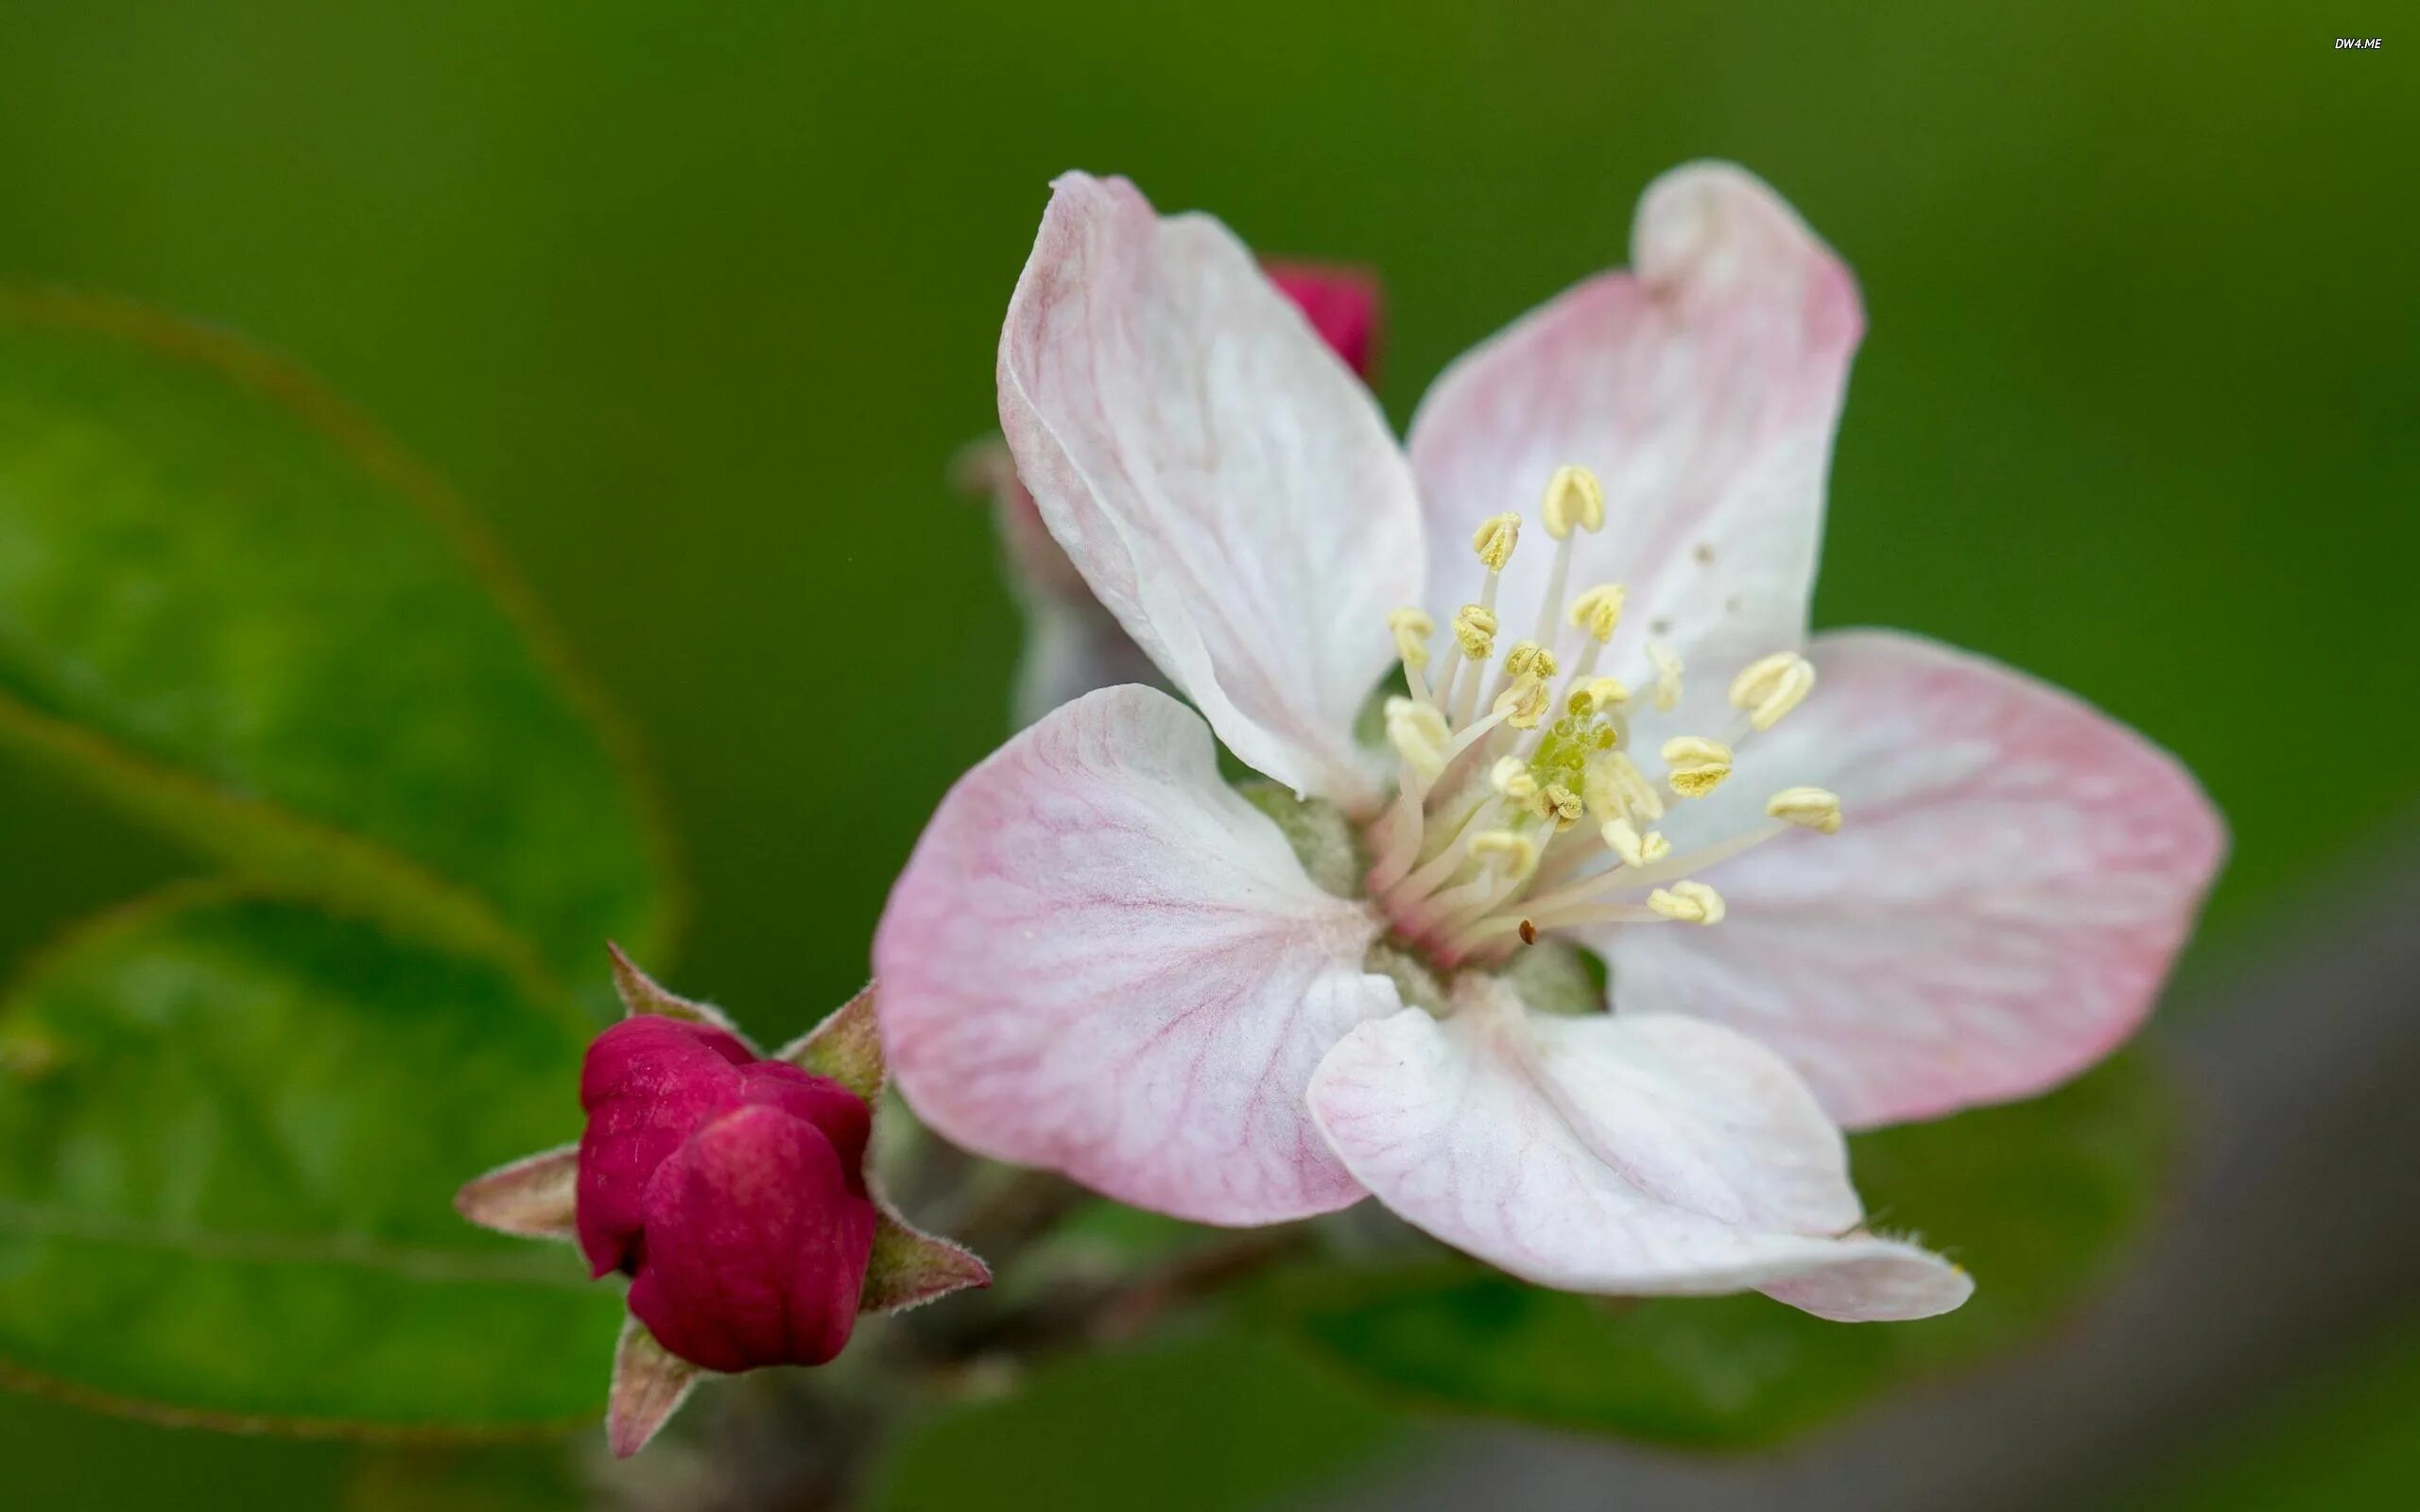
x,y
729,1188
1342,305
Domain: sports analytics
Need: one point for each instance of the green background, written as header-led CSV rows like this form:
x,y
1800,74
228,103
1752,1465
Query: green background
x,y
693,303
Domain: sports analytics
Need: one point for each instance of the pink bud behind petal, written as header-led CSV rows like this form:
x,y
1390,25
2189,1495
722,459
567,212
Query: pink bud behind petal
x,y
1343,305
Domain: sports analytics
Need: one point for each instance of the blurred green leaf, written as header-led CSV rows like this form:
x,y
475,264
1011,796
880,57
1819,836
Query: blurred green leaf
x,y
458,1478
230,1130
229,605
1215,1422
2036,1198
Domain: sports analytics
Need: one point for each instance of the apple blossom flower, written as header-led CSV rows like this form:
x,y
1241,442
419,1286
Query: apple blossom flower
x,y
1852,879
731,1188
1072,644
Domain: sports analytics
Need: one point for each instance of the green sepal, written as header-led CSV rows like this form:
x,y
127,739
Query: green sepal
x,y
847,1047
641,994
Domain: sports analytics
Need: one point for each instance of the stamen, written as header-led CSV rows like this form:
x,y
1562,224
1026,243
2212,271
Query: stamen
x,y
1616,789
1634,849
1559,803
1772,687
1574,501
1574,497
1687,902
1470,735
1494,539
1407,825
1667,675
1526,659
1811,808
1405,896
1411,628
1698,765
1529,658
1474,643
1596,695
1475,625
1475,629
1517,849
1525,703
1510,777
1598,610
1417,730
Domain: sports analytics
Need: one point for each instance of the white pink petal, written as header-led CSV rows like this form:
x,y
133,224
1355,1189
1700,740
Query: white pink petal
x,y
1102,959
1703,388
1627,1155
1225,483
2014,876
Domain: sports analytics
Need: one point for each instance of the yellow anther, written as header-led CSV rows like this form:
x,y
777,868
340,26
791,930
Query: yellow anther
x,y
1494,539
1574,497
1597,696
1811,808
1412,627
1667,675
1690,903
1475,628
1623,838
1518,852
1528,658
1599,610
1526,702
1418,732
1698,765
1616,789
1772,687
1559,803
1510,777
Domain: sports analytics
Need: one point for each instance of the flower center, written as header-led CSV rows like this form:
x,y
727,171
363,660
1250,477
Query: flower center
x,y
1529,793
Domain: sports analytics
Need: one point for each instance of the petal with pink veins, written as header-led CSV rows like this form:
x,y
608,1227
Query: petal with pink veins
x,y
1223,482
2013,875
1627,1155
1102,959
1703,388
